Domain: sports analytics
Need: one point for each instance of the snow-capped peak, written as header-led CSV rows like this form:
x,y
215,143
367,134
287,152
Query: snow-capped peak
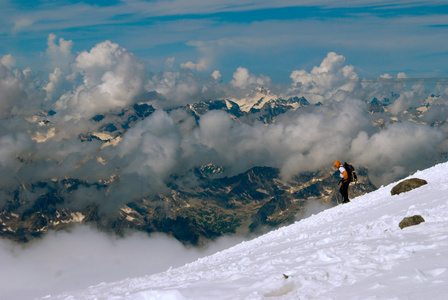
x,y
255,99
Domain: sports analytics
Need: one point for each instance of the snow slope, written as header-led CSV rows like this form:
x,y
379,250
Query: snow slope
x,y
351,251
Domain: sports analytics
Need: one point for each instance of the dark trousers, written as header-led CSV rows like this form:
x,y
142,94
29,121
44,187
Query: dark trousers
x,y
344,191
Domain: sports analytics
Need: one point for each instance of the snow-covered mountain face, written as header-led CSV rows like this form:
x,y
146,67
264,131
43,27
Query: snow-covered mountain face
x,y
350,251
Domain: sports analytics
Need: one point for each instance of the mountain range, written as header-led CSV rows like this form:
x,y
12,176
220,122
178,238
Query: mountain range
x,y
214,205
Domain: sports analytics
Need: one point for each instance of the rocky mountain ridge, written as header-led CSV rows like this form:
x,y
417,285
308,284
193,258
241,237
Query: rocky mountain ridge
x,y
215,205
240,204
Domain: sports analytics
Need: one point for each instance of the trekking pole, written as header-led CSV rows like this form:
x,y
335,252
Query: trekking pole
x,y
337,195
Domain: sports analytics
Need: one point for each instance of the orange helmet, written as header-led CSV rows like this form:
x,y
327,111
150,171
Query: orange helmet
x,y
337,164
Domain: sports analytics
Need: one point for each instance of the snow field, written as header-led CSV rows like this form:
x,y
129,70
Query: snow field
x,y
351,251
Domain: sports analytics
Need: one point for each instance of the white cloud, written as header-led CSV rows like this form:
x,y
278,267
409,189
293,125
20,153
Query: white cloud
x,y
8,61
113,77
207,50
151,147
243,79
12,92
175,87
311,140
169,62
10,146
64,261
402,75
64,48
200,66
322,136
60,55
57,85
216,75
408,97
102,58
330,81
22,23
188,65
395,151
305,141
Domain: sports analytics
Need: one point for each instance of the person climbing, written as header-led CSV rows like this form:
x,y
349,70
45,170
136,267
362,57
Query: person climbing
x,y
344,181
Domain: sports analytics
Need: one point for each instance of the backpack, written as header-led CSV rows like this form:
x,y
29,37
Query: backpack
x,y
350,172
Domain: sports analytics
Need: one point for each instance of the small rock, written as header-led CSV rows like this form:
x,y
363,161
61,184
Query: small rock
x,y
411,221
407,185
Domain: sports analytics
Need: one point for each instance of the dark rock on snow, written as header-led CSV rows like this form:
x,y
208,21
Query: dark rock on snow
x,y
411,221
407,185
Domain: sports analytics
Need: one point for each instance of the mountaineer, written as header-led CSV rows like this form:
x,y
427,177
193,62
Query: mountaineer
x,y
344,181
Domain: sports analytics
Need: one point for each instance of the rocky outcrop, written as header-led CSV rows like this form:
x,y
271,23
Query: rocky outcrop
x,y
411,221
407,185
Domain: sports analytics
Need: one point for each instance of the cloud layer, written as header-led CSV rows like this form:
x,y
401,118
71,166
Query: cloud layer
x,y
67,261
108,79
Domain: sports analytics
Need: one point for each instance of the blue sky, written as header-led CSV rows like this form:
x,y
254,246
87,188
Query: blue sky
x,y
271,38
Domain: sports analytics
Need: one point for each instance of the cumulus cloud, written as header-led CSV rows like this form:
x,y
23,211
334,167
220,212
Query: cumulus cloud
x,y
207,50
409,97
175,88
402,75
8,61
10,146
437,112
60,54
321,135
200,66
216,75
305,141
243,79
330,81
384,87
169,62
21,93
388,153
57,85
152,146
14,147
12,92
112,78
311,140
